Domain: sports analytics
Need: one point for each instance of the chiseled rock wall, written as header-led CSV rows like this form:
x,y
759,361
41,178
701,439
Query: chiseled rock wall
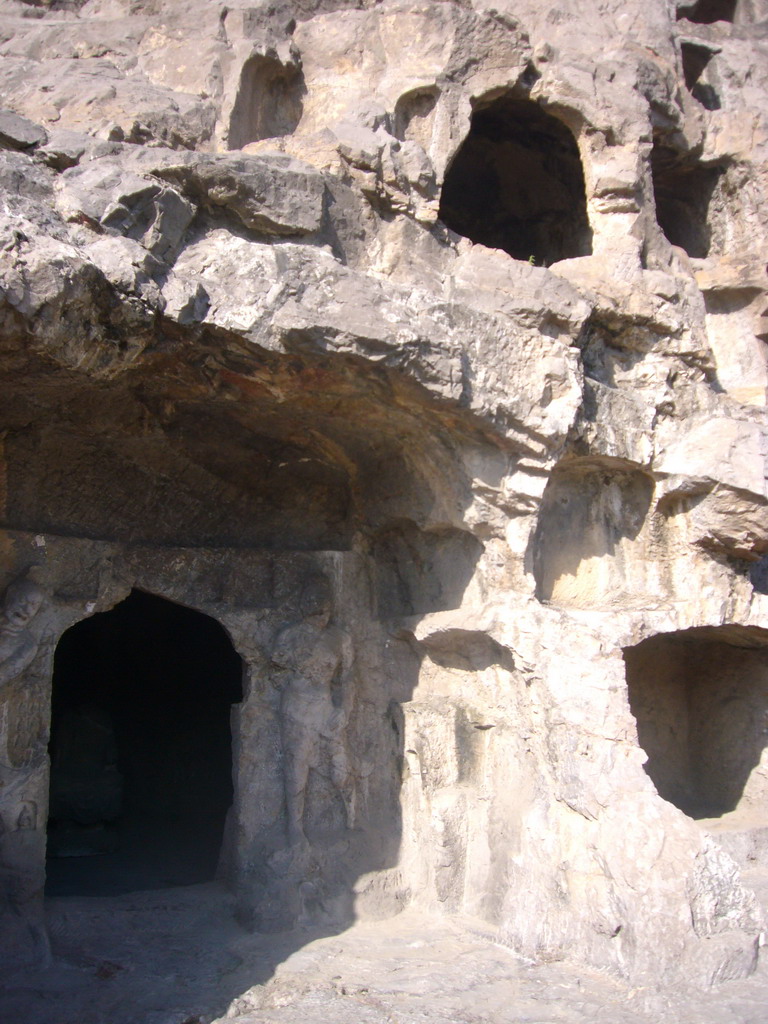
x,y
233,321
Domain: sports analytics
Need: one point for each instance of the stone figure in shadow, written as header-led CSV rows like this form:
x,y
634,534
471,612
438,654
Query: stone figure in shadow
x,y
18,642
20,881
315,657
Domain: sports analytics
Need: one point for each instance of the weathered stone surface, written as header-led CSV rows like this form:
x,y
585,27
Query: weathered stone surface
x,y
462,309
103,195
19,133
269,193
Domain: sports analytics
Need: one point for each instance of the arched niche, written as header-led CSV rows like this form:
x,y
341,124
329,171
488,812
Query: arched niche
x,y
517,184
269,101
683,189
140,749
591,516
423,571
415,115
700,699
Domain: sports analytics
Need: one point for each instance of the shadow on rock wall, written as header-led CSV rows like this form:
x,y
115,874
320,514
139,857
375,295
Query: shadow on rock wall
x,y
243,502
700,698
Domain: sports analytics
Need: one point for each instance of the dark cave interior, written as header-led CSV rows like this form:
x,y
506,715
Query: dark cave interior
x,y
141,748
517,184
683,189
705,12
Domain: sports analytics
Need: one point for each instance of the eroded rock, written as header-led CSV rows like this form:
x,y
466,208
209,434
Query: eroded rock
x,y
462,311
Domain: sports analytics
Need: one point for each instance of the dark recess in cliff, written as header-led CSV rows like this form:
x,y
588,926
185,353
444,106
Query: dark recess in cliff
x,y
683,190
700,698
695,61
517,184
141,760
705,12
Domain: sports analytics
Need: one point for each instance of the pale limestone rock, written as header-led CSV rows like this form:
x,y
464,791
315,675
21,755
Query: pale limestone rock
x,y
269,193
243,342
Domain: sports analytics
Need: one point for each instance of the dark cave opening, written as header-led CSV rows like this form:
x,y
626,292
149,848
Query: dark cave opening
x,y
695,61
705,12
683,191
141,749
516,183
700,700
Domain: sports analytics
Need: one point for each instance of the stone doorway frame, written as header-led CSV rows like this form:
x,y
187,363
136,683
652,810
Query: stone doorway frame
x,y
240,589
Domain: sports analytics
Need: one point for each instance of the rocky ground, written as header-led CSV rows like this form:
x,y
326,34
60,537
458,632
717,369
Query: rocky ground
x,y
178,956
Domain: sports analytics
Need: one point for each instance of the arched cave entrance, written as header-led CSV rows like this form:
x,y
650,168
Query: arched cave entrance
x,y
700,699
141,759
517,184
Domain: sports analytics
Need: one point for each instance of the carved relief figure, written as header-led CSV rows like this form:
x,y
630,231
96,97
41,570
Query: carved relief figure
x,y
18,643
315,657
27,819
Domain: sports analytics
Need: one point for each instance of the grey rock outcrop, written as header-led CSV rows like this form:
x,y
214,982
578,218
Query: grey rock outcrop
x,y
19,133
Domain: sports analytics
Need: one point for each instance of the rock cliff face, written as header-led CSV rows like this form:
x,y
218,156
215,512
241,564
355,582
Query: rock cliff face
x,y
423,347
